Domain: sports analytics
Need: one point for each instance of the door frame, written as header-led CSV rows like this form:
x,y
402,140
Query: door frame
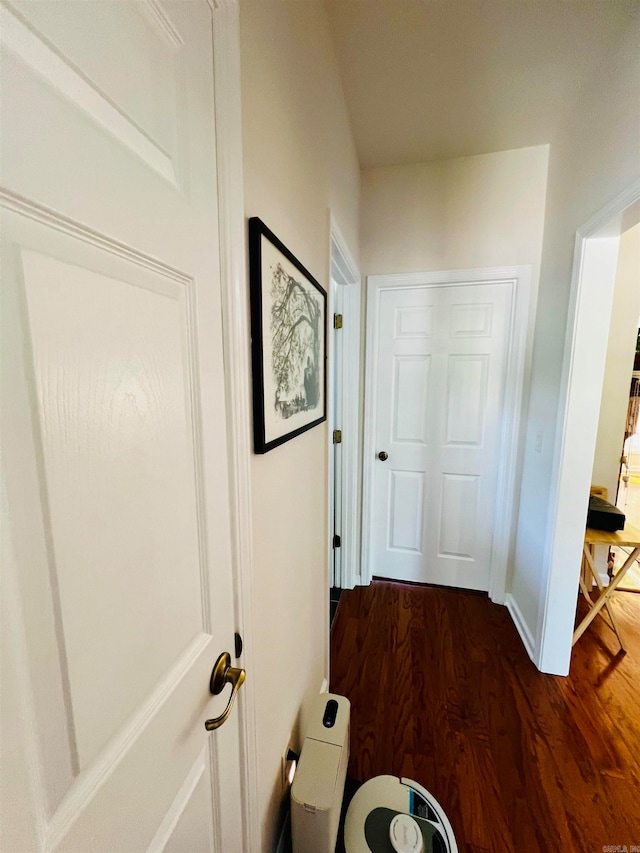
x,y
344,379
235,325
519,348
335,420
591,299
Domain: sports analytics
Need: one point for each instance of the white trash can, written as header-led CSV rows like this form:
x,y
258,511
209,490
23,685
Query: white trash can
x,y
318,786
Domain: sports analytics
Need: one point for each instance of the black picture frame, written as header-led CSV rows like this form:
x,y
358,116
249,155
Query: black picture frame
x,y
288,342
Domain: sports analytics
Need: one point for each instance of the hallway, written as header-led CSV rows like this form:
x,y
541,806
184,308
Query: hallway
x,y
443,692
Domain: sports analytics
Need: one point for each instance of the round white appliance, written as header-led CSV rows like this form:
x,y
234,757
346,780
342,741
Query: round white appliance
x,y
388,814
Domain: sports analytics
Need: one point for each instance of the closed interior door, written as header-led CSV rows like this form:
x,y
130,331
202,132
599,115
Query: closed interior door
x,y
117,586
440,368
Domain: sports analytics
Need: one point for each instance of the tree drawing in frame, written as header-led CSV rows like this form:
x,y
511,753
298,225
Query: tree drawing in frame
x,y
288,337
295,335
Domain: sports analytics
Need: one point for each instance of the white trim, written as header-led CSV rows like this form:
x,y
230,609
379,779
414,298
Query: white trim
x,y
163,23
521,625
445,278
16,647
518,355
226,50
345,276
45,60
89,781
335,307
345,270
580,394
30,209
177,807
351,392
368,444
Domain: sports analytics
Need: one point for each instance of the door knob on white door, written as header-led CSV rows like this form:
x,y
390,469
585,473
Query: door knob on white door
x,y
223,673
383,456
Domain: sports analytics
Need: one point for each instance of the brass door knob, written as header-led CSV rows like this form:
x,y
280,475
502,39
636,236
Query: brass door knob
x,y
223,673
383,456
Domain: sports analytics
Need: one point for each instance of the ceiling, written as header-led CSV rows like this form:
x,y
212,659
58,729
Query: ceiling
x,y
432,79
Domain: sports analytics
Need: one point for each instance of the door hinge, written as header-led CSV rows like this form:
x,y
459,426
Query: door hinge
x,y
337,436
337,321
337,541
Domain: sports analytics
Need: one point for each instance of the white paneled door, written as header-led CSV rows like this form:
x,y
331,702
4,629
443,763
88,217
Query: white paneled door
x,y
117,582
440,368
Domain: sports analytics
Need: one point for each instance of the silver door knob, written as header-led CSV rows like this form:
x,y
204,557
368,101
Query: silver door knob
x,y
383,456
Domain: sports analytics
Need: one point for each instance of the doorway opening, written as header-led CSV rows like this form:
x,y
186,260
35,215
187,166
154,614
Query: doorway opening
x,y
628,494
628,498
593,283
345,494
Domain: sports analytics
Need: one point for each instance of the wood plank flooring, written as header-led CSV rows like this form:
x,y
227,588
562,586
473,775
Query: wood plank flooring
x,y
443,692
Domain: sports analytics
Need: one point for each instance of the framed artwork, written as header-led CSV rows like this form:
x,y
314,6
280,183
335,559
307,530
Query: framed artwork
x,y
288,342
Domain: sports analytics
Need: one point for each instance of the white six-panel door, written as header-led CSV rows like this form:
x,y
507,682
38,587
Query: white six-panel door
x,y
117,585
440,367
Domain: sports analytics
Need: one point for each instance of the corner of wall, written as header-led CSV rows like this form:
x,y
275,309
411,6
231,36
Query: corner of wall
x,y
299,162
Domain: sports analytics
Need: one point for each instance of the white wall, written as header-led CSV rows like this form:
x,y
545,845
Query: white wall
x,y
464,213
592,159
623,331
299,162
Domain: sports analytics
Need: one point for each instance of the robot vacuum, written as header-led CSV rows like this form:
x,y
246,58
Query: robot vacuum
x,y
391,815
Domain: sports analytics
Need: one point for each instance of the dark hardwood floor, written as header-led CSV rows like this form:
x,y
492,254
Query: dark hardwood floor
x,y
443,692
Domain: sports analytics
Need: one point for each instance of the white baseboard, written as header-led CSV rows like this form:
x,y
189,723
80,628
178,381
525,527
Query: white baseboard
x,y
521,626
